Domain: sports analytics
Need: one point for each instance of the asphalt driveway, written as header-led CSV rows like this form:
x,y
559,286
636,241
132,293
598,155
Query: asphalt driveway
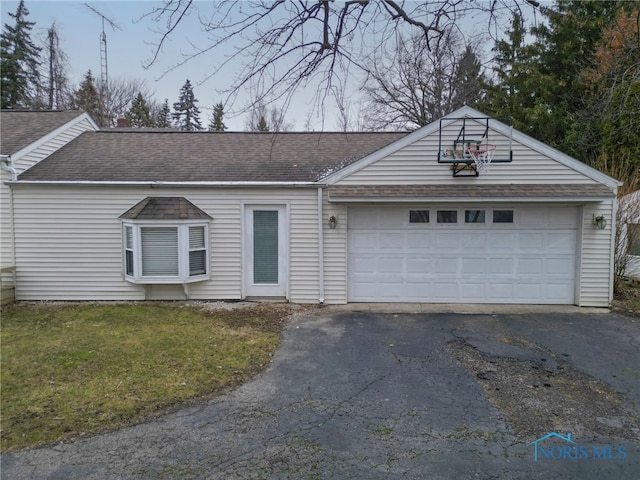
x,y
379,396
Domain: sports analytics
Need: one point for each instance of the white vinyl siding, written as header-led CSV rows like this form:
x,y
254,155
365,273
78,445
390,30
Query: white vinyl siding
x,y
335,253
29,157
70,244
416,164
596,269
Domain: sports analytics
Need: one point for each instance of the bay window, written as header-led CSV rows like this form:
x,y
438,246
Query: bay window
x,y
167,253
165,240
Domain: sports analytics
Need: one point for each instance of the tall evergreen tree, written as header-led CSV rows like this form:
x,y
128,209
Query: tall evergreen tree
x,y
518,87
139,115
186,114
87,98
19,62
217,123
469,79
163,117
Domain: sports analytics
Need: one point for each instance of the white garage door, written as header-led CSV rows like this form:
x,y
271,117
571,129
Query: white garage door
x,y
462,255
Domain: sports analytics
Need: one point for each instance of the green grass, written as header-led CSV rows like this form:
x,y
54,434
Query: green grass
x,y
73,369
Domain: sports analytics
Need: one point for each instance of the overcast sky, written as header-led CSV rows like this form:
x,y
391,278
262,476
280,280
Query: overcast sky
x,y
131,45
127,49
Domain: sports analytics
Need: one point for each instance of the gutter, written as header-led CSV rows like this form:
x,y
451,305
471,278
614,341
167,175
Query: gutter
x,y
468,199
152,184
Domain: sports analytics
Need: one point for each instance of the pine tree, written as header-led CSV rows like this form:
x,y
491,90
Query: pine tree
x,y
163,117
262,125
217,123
468,80
186,114
87,97
139,115
519,88
19,62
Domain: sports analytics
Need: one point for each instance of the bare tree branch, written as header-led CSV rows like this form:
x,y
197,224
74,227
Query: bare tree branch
x,y
283,45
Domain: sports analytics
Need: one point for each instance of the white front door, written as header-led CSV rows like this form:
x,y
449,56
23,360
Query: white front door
x,y
265,251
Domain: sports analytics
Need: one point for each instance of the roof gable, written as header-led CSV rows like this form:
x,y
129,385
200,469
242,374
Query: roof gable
x,y
24,130
496,126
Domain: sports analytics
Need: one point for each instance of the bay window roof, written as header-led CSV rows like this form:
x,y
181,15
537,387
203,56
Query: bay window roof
x,y
165,208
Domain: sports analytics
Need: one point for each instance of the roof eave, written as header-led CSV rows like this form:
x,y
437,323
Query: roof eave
x,y
513,199
116,183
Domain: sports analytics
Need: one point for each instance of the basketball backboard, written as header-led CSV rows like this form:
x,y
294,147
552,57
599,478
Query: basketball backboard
x,y
461,139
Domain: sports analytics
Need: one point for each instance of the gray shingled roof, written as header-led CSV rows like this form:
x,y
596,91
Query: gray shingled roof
x,y
206,156
390,192
165,208
20,128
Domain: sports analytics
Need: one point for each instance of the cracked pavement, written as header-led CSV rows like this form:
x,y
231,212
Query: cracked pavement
x,y
375,396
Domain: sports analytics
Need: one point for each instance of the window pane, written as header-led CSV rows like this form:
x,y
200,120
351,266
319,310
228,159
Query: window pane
x,y
159,251
633,234
196,238
418,216
128,257
447,216
503,216
265,246
197,262
474,216
128,233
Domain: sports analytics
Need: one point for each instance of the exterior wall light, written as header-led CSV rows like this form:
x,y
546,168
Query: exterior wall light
x,y
600,222
333,221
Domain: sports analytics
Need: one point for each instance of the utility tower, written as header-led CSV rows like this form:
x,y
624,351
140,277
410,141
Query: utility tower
x,y
104,71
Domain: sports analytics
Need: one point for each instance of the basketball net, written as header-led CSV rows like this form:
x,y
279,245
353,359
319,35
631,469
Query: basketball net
x,y
482,154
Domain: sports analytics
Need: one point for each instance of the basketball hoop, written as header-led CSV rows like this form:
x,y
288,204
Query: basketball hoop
x,y
482,154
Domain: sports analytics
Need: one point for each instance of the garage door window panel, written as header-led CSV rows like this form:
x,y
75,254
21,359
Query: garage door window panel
x,y
503,216
474,216
447,216
418,216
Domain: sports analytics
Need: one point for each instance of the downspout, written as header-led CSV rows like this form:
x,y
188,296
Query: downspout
x,y
320,246
612,254
7,164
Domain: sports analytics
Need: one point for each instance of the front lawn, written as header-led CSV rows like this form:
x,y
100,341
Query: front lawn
x,y
74,369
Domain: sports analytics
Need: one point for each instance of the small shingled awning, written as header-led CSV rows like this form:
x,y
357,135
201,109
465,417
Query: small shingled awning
x,y
460,193
165,208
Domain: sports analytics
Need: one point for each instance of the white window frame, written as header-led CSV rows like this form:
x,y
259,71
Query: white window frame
x,y
183,252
